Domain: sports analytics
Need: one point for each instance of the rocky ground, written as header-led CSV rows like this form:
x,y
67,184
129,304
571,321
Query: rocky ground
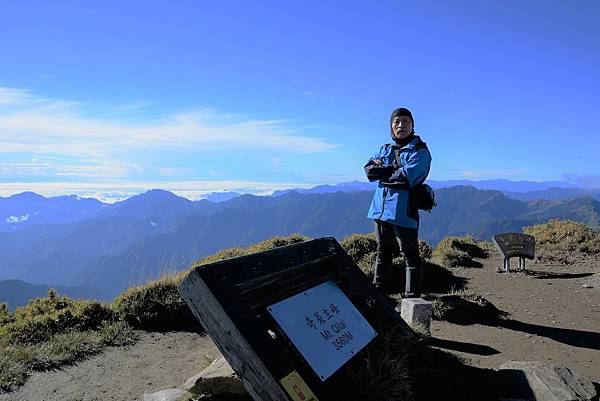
x,y
554,316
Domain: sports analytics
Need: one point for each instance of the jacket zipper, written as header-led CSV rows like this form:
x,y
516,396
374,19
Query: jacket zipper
x,y
383,201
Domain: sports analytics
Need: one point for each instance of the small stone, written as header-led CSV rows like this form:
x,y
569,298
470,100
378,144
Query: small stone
x,y
586,285
171,394
217,378
416,312
548,381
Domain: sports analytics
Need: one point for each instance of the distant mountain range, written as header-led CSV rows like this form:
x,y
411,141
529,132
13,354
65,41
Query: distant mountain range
x,y
111,247
28,208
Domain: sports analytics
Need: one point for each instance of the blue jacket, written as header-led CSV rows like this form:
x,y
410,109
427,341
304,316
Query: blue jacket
x,y
392,201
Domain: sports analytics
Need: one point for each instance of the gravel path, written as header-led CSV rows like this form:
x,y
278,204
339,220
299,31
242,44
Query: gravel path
x,y
156,362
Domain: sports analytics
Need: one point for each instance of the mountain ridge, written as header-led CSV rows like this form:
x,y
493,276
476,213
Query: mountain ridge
x,y
121,250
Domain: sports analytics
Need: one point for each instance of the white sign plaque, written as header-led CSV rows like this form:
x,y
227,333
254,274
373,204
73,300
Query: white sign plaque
x,y
324,325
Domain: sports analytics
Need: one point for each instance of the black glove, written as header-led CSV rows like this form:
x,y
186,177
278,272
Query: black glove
x,y
377,173
397,180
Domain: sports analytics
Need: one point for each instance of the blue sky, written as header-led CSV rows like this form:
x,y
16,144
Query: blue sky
x,y
108,99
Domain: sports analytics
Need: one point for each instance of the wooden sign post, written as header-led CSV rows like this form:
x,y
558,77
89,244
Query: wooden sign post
x,y
290,320
515,244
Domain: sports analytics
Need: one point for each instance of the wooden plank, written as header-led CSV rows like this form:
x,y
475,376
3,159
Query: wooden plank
x,y
230,299
255,376
258,283
244,268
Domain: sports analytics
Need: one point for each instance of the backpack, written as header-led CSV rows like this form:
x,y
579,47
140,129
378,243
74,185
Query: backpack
x,y
422,193
424,196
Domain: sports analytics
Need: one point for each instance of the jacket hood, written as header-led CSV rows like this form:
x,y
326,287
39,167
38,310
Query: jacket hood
x,y
413,140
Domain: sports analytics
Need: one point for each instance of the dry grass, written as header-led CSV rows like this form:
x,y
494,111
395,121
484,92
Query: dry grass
x,y
566,236
382,373
464,307
459,252
362,248
17,361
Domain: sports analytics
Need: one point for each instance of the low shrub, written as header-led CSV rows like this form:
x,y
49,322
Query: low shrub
x,y
265,245
464,307
362,249
359,246
565,236
156,305
276,242
5,315
458,251
44,317
425,250
12,373
17,360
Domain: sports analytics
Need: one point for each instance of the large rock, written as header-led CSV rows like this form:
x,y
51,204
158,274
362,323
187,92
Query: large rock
x,y
217,378
545,381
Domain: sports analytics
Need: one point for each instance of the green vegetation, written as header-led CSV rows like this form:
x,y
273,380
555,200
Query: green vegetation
x,y
53,331
459,252
362,248
464,307
155,306
565,236
272,243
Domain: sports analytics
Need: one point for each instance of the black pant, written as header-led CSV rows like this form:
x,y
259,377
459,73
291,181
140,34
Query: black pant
x,y
391,239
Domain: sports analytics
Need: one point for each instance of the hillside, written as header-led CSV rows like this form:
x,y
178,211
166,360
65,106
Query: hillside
x,y
17,293
532,325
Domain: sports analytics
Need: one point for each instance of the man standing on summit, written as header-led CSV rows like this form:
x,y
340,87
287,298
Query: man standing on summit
x,y
398,166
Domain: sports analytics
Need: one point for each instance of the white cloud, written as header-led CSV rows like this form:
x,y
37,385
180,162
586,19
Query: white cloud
x,y
97,169
17,219
585,181
12,96
36,124
115,191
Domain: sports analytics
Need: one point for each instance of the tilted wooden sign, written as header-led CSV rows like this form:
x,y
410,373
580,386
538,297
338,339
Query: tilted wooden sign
x,y
515,244
324,326
290,321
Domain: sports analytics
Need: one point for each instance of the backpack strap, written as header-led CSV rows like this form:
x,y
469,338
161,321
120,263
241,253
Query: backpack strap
x,y
420,145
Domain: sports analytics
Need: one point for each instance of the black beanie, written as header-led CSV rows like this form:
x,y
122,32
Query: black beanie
x,y
402,112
